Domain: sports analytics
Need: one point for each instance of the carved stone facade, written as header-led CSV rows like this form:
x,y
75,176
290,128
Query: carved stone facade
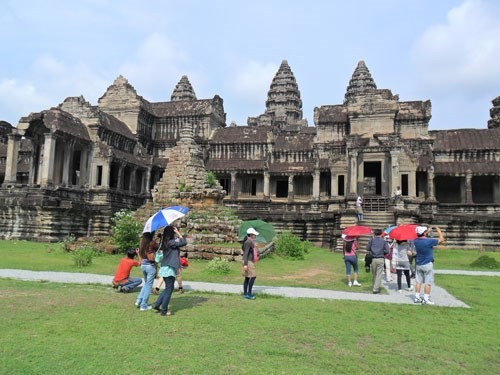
x,y
67,169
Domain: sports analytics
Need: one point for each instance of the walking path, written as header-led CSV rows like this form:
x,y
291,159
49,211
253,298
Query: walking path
x,y
439,295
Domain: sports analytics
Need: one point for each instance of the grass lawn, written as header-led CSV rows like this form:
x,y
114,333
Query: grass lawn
x,y
50,328
86,329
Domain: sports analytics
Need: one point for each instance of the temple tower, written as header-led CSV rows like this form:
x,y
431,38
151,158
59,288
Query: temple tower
x,y
283,98
183,90
360,83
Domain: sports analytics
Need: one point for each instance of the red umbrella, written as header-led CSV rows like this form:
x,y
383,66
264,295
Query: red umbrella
x,y
404,232
357,230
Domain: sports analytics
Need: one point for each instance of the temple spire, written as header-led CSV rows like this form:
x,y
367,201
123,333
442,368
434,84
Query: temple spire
x,y
283,98
183,90
361,82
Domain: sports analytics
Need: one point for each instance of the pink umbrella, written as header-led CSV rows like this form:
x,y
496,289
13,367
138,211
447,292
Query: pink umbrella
x,y
404,232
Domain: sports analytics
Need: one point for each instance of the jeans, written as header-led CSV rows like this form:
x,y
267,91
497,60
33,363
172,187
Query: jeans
x,y
351,260
148,271
131,283
164,298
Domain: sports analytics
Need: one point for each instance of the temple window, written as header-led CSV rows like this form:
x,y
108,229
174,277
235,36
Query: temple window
x,y
341,185
99,175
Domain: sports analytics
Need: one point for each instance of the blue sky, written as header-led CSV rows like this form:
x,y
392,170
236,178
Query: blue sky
x,y
447,51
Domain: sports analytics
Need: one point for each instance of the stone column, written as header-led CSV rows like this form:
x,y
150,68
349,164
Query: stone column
x,y
68,156
105,173
412,184
468,187
146,177
316,182
84,168
119,182
333,184
12,159
395,176
290,188
430,182
131,184
234,193
353,166
47,170
266,185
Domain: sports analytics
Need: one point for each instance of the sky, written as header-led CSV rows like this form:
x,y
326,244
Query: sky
x,y
447,51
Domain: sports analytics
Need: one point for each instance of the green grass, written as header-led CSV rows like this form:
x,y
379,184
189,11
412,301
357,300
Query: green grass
x,y
83,329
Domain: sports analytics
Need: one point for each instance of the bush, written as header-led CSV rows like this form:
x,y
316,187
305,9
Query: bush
x,y
126,230
289,245
485,261
83,256
219,266
67,242
211,179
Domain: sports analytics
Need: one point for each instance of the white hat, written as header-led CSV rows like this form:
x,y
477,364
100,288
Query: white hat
x,y
420,230
252,231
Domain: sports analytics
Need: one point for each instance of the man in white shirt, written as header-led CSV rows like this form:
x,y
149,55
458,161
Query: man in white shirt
x,y
359,208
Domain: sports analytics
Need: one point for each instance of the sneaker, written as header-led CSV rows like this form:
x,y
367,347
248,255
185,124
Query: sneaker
x,y
180,291
355,283
409,289
147,308
349,284
168,313
427,302
418,300
137,304
249,296
400,291
119,289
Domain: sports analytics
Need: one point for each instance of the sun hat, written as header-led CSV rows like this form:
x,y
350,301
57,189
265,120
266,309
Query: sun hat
x,y
252,231
420,230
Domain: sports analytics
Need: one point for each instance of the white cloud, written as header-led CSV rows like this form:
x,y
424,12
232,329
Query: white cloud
x,y
251,80
157,66
19,99
463,53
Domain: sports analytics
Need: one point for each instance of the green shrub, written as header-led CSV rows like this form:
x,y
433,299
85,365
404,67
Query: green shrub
x,y
126,230
289,245
67,242
211,179
219,266
485,261
83,256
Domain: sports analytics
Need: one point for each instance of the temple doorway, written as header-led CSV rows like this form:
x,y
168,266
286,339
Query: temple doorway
x,y
372,178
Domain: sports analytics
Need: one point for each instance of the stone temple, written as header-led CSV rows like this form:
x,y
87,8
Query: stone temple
x,y
67,169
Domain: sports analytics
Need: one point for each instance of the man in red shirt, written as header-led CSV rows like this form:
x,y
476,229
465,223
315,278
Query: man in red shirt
x,y
122,279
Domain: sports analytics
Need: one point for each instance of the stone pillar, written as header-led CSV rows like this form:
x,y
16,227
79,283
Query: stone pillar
x,y
430,182
84,168
316,182
468,187
47,170
266,185
119,182
353,169
334,191
234,192
412,184
290,188
68,156
395,175
12,159
146,177
105,173
131,184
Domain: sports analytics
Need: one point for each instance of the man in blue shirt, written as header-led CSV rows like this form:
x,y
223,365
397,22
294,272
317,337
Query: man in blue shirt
x,y
378,247
425,262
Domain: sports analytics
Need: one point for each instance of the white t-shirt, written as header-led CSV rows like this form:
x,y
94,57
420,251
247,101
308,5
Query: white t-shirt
x,y
359,202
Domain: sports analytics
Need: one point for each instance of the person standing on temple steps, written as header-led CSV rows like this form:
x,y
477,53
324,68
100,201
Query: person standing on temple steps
x,y
359,208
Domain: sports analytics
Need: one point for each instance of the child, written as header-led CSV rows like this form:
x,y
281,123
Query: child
x,y
184,264
122,280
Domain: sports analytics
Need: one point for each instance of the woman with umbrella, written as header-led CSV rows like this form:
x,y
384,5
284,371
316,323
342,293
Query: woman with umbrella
x,y
169,259
351,259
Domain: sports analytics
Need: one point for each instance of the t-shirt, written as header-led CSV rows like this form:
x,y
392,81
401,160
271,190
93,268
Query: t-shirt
x,y
359,202
424,247
123,271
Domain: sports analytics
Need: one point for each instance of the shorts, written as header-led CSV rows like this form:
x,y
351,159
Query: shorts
x,y
250,272
424,274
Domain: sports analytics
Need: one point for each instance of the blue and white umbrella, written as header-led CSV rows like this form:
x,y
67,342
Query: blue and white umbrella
x,y
164,217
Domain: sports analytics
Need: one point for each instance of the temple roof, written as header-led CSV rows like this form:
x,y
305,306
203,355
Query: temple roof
x,y
235,165
113,124
241,134
466,139
60,121
302,141
183,90
461,168
360,83
414,110
331,114
291,167
181,107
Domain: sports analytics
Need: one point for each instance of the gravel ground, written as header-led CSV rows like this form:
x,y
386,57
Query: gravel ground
x,y
439,295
